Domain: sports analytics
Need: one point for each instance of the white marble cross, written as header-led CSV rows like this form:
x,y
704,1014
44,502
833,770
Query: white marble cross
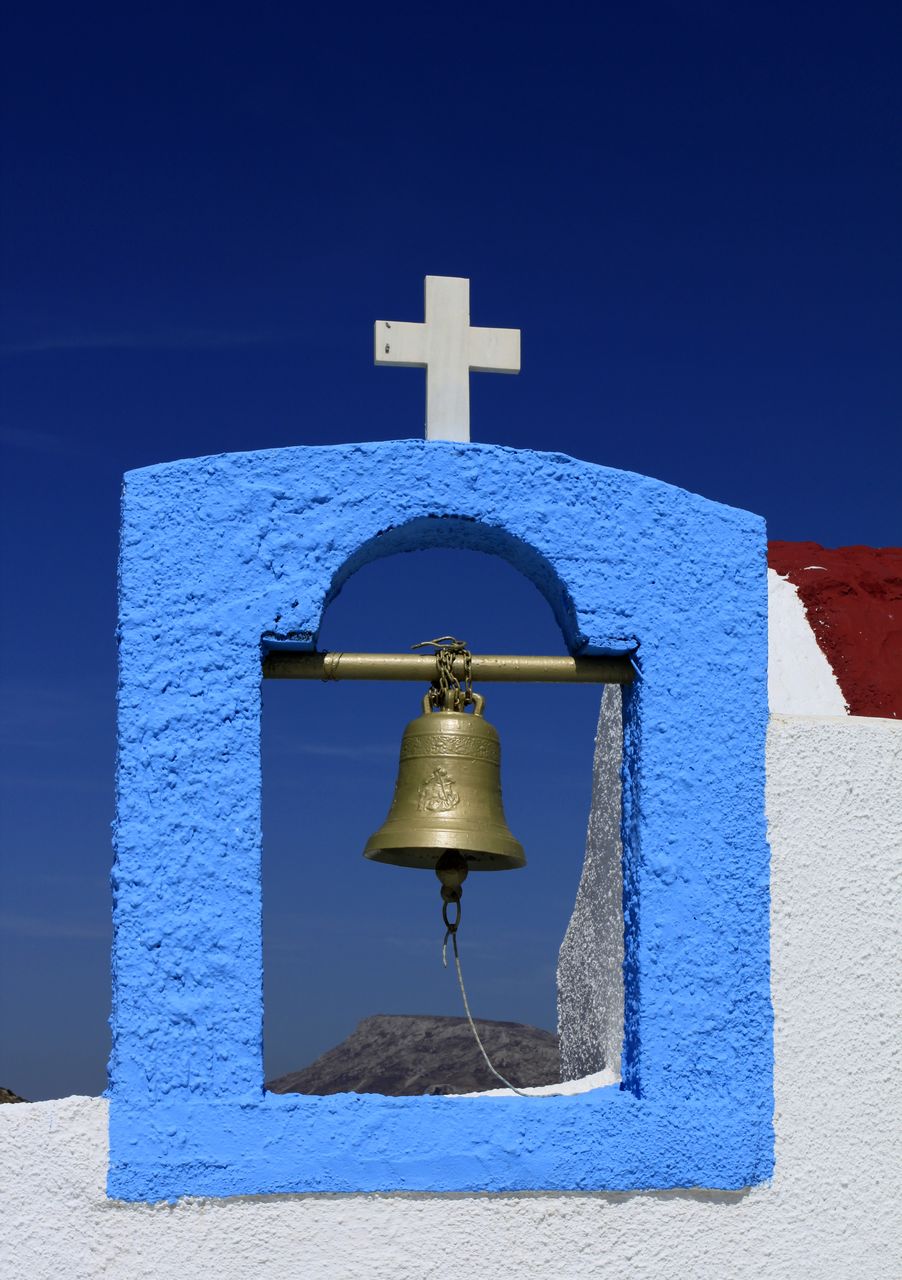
x,y
448,348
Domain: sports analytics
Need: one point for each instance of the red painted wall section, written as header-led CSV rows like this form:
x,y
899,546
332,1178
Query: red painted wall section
x,y
853,599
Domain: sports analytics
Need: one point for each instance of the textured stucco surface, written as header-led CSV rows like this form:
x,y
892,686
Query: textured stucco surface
x,y
590,964
852,598
219,553
830,1212
800,681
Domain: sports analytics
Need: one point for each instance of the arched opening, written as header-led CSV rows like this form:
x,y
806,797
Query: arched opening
x,y
346,939
464,533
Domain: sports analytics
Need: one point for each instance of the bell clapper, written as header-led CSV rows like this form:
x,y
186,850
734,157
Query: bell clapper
x,y
452,871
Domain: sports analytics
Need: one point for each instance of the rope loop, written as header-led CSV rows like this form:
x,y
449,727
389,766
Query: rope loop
x,y
451,925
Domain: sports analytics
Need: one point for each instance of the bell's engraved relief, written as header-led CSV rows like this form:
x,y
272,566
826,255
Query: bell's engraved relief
x,y
437,794
450,744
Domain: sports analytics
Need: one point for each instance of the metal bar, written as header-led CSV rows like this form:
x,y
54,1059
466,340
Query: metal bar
x,y
282,664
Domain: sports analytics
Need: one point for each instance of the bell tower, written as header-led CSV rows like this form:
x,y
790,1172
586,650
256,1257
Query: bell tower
x,y
226,564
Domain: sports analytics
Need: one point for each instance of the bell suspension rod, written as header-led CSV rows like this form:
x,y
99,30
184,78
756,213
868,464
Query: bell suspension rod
x,y
508,668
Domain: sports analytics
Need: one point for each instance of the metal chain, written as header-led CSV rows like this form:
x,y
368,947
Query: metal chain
x,y
447,690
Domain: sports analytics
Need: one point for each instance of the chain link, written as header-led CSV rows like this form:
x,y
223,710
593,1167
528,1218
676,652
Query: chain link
x,y
447,690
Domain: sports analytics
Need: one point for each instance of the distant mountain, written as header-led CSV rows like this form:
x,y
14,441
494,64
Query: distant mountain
x,y
419,1054
7,1095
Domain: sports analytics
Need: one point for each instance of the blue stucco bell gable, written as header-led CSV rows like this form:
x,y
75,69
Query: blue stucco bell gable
x,y
224,556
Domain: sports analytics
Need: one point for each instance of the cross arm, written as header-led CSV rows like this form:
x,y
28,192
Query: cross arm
x,y
494,350
398,342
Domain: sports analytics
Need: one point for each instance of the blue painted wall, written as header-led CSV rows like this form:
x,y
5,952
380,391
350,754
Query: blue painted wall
x,y
222,554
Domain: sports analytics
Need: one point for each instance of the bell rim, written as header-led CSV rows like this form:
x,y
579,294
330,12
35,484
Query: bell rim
x,y
406,856
397,835
390,841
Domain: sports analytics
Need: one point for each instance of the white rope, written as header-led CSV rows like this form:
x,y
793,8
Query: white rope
x,y
463,992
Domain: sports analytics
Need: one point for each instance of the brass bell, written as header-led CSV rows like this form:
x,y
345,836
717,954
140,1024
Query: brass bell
x,y
447,814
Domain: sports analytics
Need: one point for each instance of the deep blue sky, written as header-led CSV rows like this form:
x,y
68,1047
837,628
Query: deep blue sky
x,y
691,211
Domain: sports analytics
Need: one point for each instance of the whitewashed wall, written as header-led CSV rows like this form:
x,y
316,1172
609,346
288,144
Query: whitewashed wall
x,y
834,797
590,965
800,680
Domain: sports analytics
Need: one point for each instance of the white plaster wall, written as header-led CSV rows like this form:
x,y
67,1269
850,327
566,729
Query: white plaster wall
x,y
590,964
800,680
834,795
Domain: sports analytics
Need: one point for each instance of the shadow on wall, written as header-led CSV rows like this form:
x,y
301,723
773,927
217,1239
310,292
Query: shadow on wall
x,y
590,966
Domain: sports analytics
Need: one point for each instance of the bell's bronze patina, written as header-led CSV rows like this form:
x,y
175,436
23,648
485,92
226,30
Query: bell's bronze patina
x,y
447,814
